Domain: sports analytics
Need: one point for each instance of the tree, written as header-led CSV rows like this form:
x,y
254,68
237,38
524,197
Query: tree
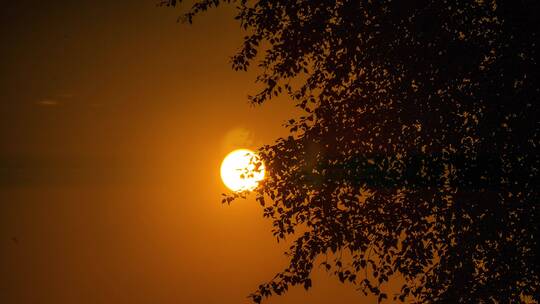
x,y
417,150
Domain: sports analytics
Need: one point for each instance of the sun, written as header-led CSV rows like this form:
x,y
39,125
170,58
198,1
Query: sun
x,y
242,170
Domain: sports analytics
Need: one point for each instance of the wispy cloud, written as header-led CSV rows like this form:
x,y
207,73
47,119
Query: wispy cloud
x,y
238,137
48,102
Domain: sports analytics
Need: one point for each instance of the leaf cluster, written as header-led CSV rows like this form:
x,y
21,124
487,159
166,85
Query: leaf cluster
x,y
417,150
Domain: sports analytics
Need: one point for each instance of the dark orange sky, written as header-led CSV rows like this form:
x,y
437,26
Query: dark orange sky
x,y
113,121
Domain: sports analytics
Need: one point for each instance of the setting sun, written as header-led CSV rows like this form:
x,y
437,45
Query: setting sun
x,y
239,170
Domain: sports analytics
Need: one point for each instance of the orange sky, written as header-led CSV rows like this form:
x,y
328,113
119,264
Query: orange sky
x,y
113,122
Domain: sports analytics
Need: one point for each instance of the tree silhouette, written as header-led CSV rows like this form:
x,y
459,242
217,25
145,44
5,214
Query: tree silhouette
x,y
416,155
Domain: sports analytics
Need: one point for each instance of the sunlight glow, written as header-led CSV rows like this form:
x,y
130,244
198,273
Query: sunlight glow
x,y
239,170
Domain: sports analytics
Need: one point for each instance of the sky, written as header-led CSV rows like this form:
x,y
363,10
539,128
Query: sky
x,y
114,120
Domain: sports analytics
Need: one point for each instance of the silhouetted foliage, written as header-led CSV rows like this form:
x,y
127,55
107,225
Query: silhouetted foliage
x,y
416,155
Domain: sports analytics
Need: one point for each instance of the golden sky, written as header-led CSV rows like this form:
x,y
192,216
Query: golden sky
x,y
113,121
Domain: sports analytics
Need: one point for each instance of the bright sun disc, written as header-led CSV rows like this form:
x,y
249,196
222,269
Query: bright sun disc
x,y
239,170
